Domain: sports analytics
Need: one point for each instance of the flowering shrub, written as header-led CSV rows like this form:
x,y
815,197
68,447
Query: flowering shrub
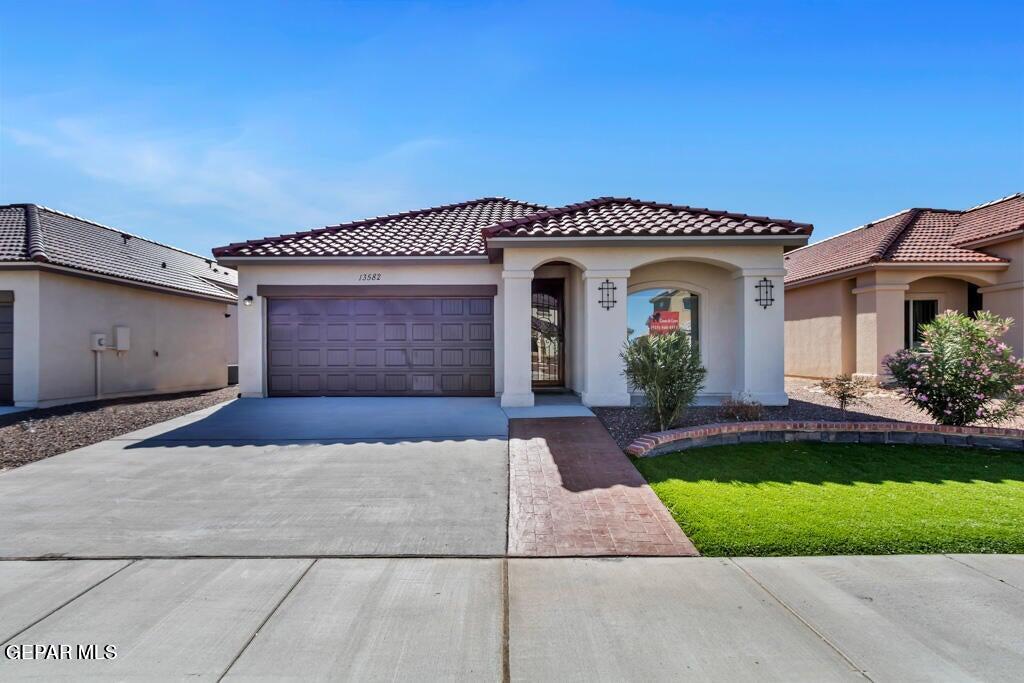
x,y
962,373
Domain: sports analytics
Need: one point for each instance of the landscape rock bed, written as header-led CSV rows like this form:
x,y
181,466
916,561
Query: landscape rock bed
x,y
36,434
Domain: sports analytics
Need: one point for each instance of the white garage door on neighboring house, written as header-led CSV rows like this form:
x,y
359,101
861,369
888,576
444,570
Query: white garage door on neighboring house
x,y
382,341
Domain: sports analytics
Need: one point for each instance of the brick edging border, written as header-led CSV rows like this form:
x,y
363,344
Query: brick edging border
x,y
660,443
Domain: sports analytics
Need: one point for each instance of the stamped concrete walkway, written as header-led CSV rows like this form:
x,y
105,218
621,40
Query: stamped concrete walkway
x,y
573,492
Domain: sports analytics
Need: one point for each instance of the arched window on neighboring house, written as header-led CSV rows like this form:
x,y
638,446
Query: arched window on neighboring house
x,y
663,310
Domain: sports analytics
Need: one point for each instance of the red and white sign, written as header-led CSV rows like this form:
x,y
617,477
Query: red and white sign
x,y
663,322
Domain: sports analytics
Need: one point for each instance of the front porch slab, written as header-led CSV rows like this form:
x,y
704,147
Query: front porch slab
x,y
572,492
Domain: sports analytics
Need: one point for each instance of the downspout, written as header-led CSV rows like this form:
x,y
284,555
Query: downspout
x,y
99,373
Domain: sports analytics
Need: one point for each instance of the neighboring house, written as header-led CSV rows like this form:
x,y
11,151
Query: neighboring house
x,y
855,298
500,297
167,318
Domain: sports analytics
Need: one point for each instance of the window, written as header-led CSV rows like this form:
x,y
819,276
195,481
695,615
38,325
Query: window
x,y
663,310
917,312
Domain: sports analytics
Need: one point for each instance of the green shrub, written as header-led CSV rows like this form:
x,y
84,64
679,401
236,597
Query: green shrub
x,y
667,369
962,373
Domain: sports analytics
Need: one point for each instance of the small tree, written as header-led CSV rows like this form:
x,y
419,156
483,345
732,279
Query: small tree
x,y
845,391
667,369
962,373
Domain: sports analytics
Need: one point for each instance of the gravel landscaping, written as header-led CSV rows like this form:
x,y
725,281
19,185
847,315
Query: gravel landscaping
x,y
36,434
806,402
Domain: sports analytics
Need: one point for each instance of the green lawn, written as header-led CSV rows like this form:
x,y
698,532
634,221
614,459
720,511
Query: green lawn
x,y
822,499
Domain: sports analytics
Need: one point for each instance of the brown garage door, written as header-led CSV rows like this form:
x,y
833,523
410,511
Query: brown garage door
x,y
400,346
6,353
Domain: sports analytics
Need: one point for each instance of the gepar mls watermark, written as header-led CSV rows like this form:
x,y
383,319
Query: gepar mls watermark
x,y
60,651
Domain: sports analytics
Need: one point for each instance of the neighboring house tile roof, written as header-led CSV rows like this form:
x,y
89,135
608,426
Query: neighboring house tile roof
x,y
34,233
449,230
626,217
990,220
462,229
911,236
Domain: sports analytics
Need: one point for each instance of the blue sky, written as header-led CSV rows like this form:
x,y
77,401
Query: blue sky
x,y
205,123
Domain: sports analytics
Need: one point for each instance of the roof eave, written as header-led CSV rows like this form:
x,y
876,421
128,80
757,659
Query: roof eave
x,y
890,265
619,240
263,260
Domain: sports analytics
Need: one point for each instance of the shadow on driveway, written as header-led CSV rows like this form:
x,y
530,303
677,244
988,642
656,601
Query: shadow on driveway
x,y
326,420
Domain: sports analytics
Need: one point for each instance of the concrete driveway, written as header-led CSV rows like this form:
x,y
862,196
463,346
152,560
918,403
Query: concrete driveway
x,y
270,478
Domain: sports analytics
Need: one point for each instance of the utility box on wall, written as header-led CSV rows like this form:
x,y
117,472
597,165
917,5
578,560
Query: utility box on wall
x,y
122,338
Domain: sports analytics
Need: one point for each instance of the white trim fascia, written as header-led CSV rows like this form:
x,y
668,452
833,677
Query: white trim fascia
x,y
853,270
986,241
880,288
759,272
616,241
228,298
1002,287
336,260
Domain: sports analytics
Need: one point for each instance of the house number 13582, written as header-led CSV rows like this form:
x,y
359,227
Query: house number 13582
x,y
369,276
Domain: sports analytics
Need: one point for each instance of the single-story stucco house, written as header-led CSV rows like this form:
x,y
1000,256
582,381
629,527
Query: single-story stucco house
x,y
855,298
88,311
501,297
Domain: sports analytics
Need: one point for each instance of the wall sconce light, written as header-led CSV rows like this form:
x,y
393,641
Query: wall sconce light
x,y
247,300
764,293
607,297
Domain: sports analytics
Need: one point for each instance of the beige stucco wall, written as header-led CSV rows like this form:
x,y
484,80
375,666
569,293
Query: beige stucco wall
x,y
187,333
55,316
1006,296
950,293
821,329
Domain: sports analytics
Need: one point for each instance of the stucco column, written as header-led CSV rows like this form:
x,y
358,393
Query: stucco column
x,y
252,340
760,335
604,333
27,339
879,327
518,391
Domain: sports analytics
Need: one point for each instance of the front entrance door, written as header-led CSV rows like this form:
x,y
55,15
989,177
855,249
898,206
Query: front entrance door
x,y
547,333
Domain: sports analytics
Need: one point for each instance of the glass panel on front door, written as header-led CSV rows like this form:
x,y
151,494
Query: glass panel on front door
x,y
547,333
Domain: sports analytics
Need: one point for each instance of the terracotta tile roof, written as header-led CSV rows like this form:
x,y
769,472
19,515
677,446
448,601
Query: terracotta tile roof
x,y
462,229
990,220
36,233
449,230
624,216
910,236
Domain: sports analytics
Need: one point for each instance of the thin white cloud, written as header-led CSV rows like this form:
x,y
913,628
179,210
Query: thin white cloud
x,y
230,175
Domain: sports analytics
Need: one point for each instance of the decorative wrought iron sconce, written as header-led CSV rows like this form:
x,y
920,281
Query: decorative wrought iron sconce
x,y
607,298
764,293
